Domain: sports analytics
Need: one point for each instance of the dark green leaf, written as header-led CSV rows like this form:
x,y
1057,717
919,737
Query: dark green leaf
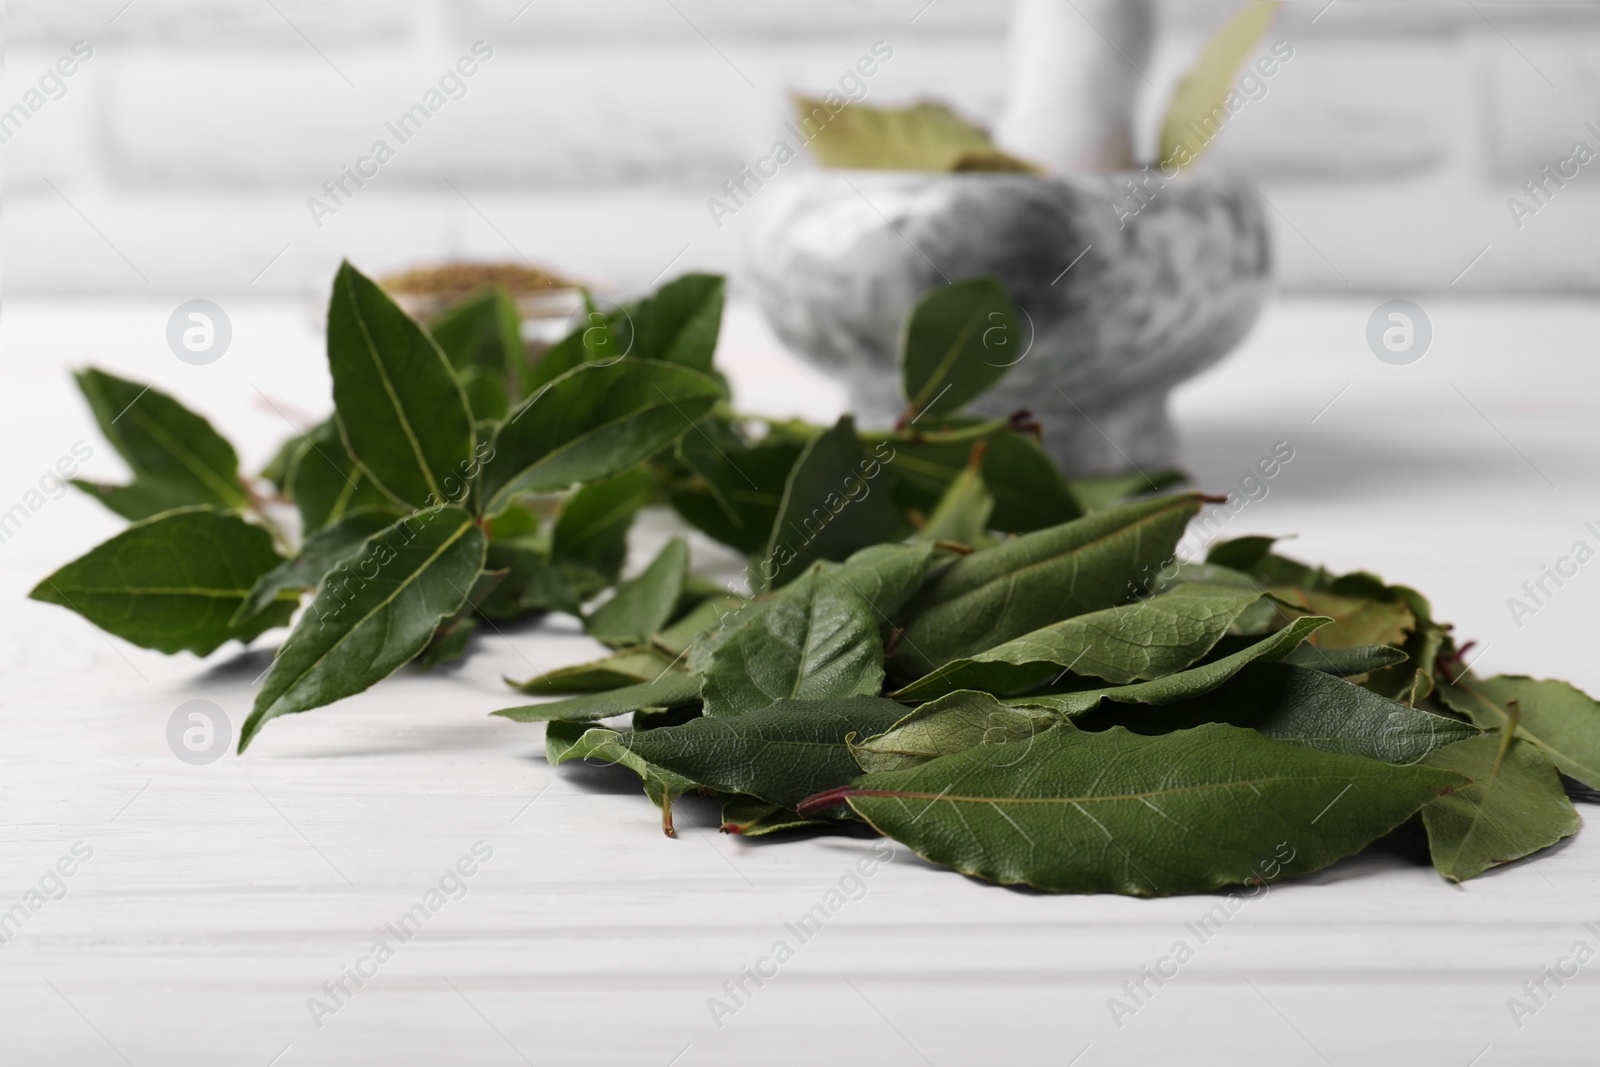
x,y
642,605
592,529
1346,662
679,322
1149,816
325,483
1303,707
670,689
592,343
749,817
695,630
163,443
1513,808
1029,491
1107,491
486,395
1134,642
483,332
812,640
399,409
563,742
782,753
321,552
593,423
958,342
999,593
831,507
373,614
885,576
140,499
1558,717
963,514
449,641
735,491
172,582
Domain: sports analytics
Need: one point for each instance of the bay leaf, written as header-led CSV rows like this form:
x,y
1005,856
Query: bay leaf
x,y
1346,662
814,639
963,514
642,605
749,817
1028,488
373,614
1207,87
953,723
958,342
925,136
173,582
399,409
592,529
627,666
1148,816
1557,716
1133,642
669,689
1018,586
320,553
563,742
324,482
679,322
483,332
781,753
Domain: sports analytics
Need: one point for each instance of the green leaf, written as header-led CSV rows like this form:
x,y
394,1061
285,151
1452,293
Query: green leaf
x,y
324,482
924,136
592,529
1028,489
958,341
1184,685
172,582
1205,91
483,332
749,817
592,423
1514,807
1148,816
782,753
679,322
563,743
1346,662
141,499
812,640
643,605
1557,716
625,667
1134,642
1357,621
885,576
735,491
953,723
698,626
486,395
830,509
1107,491
1303,707
175,455
669,689
963,514
320,553
373,614
449,642
399,409
1003,592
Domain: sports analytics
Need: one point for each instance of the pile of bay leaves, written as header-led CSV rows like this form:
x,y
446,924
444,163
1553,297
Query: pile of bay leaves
x,y
938,633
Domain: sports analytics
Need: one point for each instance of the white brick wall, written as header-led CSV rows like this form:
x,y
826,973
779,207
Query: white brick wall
x,y
181,155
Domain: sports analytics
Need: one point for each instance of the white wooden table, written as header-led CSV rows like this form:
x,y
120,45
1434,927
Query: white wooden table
x,y
219,899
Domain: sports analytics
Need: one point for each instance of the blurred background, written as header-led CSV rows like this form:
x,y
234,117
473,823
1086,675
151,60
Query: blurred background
x,y
180,157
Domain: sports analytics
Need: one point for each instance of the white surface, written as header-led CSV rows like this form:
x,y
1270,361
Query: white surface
x,y
220,898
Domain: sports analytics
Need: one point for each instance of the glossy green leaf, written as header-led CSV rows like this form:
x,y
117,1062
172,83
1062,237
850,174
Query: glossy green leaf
x,y
678,323
1514,807
669,689
782,753
734,492
321,552
591,343
487,397
399,409
449,642
140,499
324,482
1018,586
1209,88
592,423
953,723
1134,642
814,639
1184,685
958,342
628,666
592,528
175,455
1557,716
172,582
832,507
373,614
1303,707
1148,816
